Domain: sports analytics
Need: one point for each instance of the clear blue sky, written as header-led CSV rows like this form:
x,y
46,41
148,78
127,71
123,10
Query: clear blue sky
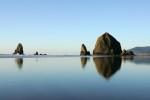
x,y
61,26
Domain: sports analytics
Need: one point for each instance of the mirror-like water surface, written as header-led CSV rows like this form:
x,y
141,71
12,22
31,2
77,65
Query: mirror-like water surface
x,y
80,78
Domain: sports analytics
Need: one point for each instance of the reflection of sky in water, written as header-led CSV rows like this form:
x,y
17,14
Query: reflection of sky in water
x,y
64,77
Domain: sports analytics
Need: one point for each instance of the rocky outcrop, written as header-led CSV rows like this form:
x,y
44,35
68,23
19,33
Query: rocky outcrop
x,y
36,53
19,49
127,53
43,54
107,45
88,53
84,51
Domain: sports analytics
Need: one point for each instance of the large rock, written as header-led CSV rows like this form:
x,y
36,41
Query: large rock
x,y
107,45
19,49
84,51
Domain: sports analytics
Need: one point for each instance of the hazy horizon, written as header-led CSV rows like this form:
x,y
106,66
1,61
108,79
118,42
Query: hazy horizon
x,y
60,27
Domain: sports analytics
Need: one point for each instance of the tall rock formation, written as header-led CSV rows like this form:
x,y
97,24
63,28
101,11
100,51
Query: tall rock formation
x,y
84,51
19,49
107,45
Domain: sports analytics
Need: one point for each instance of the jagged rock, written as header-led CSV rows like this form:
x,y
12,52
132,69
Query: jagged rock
x,y
84,51
19,49
127,53
107,45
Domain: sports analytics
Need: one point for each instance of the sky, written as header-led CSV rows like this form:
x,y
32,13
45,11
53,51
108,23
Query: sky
x,y
61,26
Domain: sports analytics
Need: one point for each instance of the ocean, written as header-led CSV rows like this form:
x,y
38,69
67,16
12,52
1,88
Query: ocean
x,y
74,78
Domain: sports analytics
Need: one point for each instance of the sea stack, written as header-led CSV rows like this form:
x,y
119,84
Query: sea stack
x,y
84,51
107,45
19,49
36,53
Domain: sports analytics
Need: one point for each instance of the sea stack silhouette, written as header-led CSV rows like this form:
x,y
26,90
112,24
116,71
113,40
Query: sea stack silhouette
x,y
36,53
107,45
19,49
84,51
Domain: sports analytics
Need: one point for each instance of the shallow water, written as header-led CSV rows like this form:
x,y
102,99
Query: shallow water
x,y
74,78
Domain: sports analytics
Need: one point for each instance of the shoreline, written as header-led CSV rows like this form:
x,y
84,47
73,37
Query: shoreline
x,y
48,56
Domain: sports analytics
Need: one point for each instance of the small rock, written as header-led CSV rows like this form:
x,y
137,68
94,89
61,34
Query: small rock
x,y
127,53
84,51
36,53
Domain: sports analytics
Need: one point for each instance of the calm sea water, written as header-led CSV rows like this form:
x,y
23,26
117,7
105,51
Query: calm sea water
x,y
75,78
